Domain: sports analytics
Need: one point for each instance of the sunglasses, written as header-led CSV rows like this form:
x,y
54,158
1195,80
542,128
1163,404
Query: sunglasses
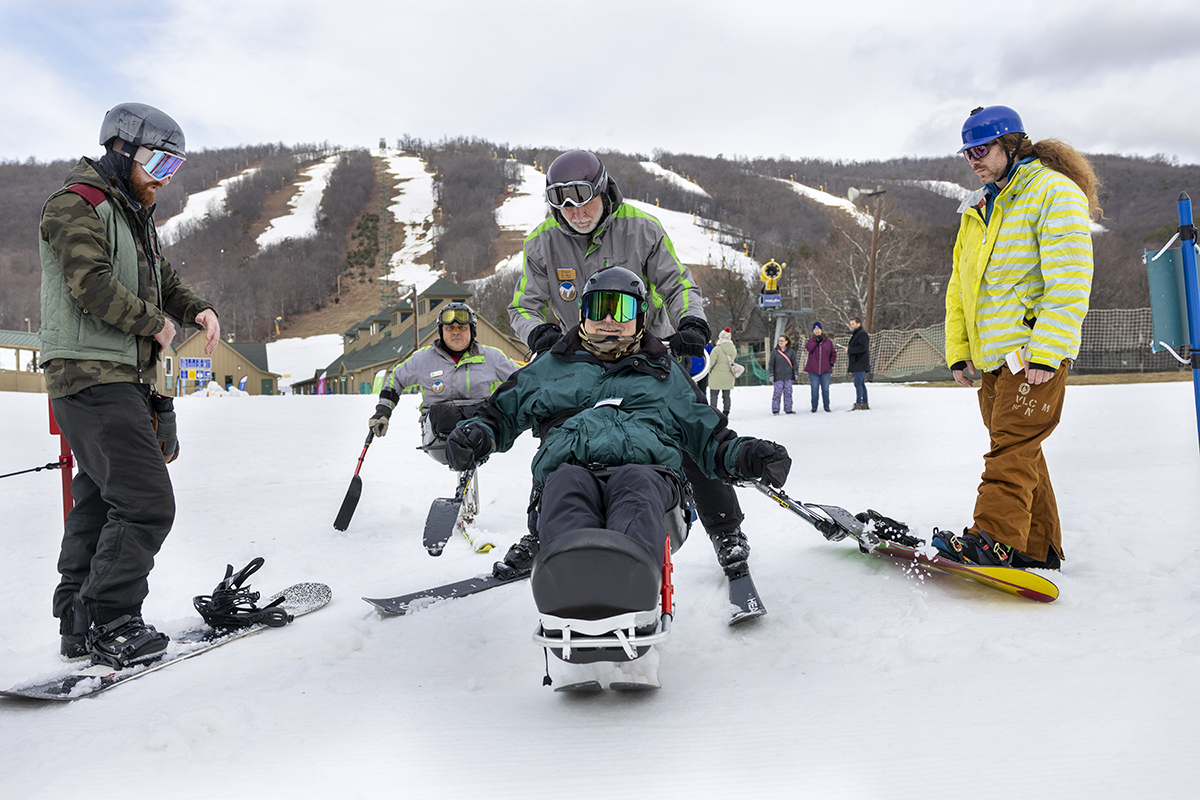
x,y
455,316
978,151
576,193
159,164
598,305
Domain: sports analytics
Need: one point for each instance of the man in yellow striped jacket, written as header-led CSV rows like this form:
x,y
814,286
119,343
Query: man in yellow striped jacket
x,y
1014,309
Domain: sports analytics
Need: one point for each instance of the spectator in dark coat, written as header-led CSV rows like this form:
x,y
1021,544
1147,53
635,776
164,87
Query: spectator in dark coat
x,y
821,355
782,368
858,353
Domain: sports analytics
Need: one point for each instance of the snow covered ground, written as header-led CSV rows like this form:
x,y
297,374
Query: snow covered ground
x,y
862,681
198,206
301,221
298,358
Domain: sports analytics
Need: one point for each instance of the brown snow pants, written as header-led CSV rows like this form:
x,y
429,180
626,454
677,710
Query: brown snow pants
x,y
1016,502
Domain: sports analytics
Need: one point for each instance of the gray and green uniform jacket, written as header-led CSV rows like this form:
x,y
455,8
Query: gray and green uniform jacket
x,y
106,288
480,370
558,262
640,409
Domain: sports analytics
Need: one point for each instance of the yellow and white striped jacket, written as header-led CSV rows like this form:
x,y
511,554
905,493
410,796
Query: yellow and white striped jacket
x,y
1030,264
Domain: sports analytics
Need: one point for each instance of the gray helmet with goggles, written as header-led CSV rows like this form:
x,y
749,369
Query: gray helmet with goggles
x,y
456,313
575,179
143,126
147,135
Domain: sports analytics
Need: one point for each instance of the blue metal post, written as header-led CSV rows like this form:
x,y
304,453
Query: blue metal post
x,y
1187,233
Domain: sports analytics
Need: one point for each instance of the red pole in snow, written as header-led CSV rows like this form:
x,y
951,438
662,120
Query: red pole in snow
x,y
64,457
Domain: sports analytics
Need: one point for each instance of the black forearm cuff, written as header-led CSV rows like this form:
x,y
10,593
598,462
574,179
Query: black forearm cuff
x,y
390,394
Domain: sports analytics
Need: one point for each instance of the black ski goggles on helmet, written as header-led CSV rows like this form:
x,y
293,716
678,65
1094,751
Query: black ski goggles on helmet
x,y
159,164
575,193
455,316
598,305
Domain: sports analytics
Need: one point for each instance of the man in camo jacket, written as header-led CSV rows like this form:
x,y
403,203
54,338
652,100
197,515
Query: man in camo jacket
x,y
108,297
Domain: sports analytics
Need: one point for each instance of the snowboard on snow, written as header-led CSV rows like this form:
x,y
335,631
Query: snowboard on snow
x,y
838,523
85,679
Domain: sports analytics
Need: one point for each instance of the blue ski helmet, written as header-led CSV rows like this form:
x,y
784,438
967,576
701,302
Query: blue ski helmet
x,y
988,124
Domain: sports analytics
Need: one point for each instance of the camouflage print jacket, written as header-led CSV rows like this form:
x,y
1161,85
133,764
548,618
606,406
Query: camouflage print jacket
x,y
106,289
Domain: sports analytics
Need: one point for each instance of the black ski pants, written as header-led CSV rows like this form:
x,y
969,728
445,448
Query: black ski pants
x,y
633,499
716,502
124,503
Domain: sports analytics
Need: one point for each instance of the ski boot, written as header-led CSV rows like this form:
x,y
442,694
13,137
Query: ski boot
x,y
124,641
518,561
978,549
732,552
74,627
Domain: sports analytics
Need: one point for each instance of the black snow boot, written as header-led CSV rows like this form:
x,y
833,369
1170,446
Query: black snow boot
x,y
518,561
74,627
732,551
1022,561
124,641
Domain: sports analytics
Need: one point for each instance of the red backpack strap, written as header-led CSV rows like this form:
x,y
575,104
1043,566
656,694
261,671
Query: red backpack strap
x,y
90,193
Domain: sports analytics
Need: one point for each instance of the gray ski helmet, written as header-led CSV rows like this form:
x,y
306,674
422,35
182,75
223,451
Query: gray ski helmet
x,y
617,279
456,309
988,124
577,166
142,125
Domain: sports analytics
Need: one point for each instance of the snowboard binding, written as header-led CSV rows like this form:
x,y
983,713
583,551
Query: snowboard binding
x,y
232,605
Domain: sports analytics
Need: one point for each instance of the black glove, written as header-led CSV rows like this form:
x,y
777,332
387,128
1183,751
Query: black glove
x,y
466,446
165,427
378,423
543,337
444,416
766,461
690,339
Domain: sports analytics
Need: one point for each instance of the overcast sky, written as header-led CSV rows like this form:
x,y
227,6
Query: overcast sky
x,y
842,79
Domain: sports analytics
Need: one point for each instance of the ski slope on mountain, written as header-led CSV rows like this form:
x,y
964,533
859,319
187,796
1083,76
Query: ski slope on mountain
x,y
198,206
862,681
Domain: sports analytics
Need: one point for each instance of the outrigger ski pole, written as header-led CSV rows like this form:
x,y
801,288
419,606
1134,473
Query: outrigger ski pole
x,y
353,493
836,523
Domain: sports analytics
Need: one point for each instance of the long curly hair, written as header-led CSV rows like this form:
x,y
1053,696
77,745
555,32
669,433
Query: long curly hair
x,y
1060,157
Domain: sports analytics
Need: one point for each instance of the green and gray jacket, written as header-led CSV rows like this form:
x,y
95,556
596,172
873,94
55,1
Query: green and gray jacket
x,y
558,262
480,370
640,409
106,289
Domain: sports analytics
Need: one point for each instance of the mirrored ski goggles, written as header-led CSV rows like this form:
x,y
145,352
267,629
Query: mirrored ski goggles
x,y
577,193
598,305
452,316
978,151
159,164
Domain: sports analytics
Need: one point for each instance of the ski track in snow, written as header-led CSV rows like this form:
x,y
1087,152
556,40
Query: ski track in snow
x,y
864,680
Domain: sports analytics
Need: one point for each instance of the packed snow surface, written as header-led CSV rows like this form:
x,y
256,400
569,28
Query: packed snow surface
x,y
305,206
864,680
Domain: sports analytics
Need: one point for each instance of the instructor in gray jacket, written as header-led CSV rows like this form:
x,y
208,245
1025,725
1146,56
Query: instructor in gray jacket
x,y
592,228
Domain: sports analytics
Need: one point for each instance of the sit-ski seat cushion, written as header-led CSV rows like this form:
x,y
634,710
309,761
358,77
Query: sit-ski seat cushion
x,y
594,573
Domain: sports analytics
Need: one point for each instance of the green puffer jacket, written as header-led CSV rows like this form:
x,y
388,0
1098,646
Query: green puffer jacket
x,y
641,409
103,295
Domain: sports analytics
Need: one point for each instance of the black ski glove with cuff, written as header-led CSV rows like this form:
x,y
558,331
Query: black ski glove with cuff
x,y
765,461
690,339
543,337
466,446
378,423
444,416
